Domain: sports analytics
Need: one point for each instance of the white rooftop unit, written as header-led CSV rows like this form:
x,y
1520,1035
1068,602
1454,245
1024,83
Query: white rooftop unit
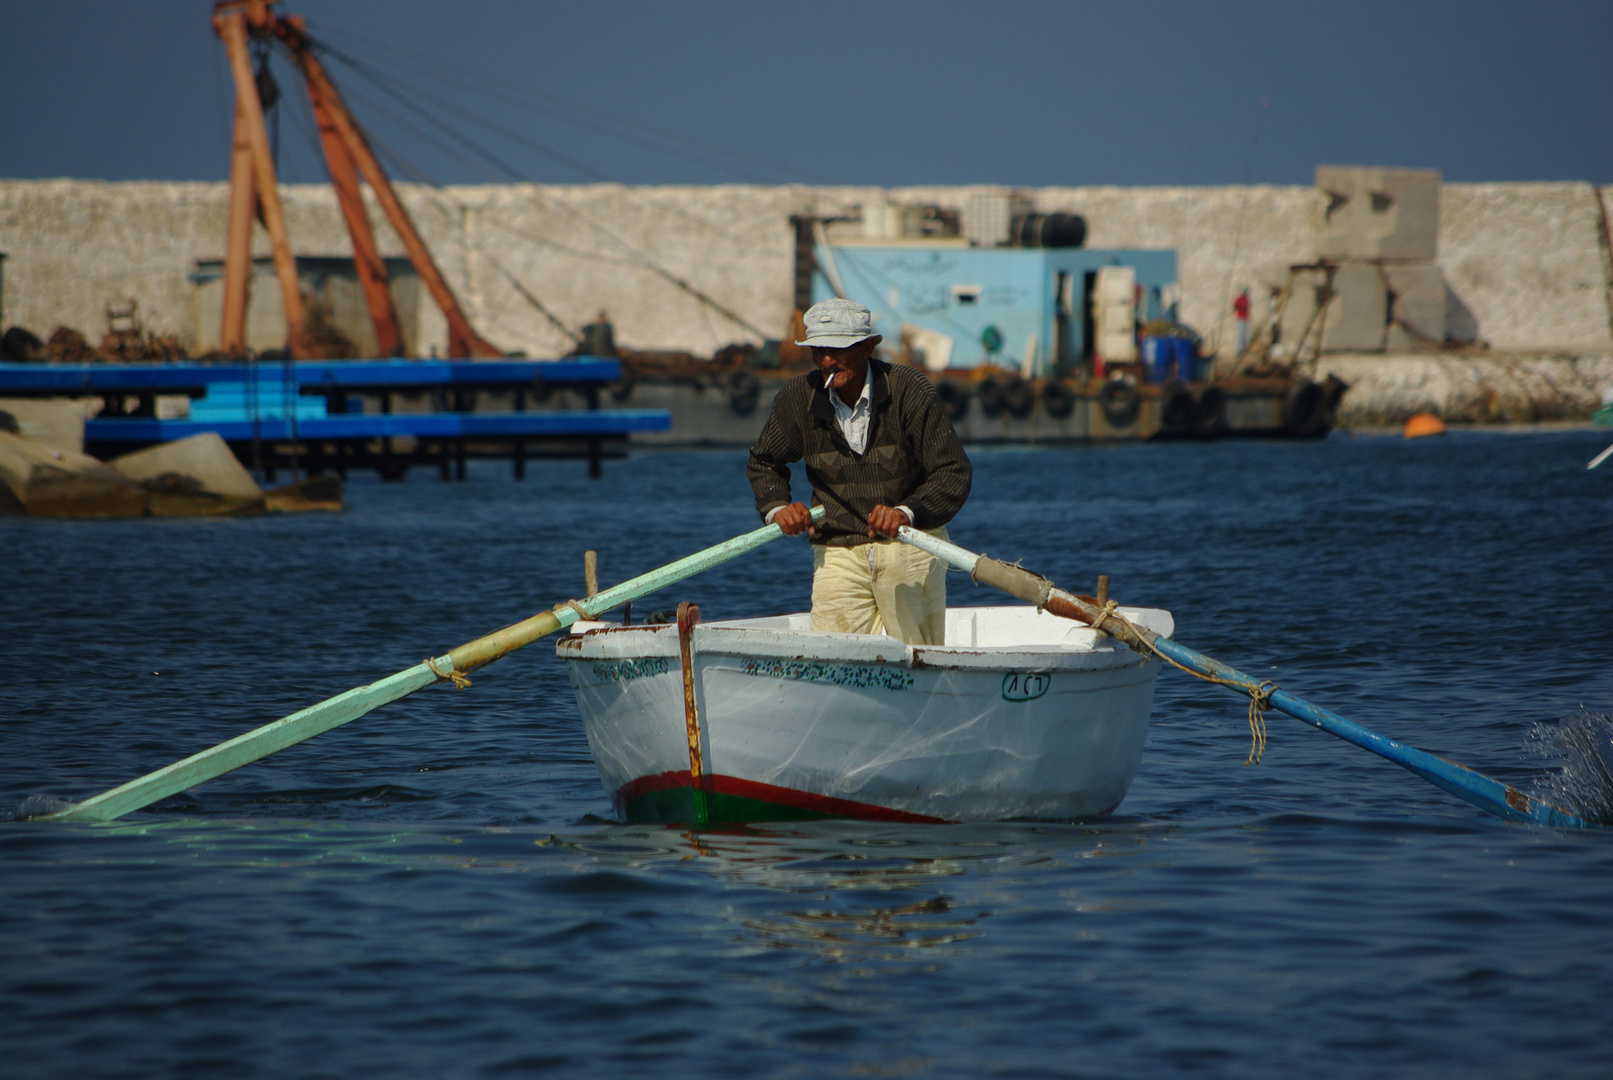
x,y
988,216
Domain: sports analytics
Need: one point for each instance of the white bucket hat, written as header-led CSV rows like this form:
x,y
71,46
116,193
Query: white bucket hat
x,y
836,324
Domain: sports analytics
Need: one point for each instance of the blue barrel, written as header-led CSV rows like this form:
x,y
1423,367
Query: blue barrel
x,y
1167,358
1187,361
1157,358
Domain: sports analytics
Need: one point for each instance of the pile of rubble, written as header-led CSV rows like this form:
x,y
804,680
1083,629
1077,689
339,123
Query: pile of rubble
x,y
125,341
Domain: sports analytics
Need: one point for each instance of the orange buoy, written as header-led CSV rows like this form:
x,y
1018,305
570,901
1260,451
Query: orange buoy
x,y
1424,423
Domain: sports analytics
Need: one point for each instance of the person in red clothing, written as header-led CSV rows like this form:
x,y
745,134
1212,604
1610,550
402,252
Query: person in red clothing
x,y
1240,308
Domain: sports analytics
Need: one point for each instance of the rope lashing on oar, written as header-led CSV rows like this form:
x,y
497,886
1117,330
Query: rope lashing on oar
x,y
1259,696
1104,613
1259,703
583,614
460,680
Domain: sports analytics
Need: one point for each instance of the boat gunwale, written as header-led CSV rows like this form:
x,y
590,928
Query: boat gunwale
x,y
593,641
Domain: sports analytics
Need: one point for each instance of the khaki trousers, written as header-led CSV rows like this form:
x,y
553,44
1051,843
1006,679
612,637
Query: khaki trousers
x,y
885,586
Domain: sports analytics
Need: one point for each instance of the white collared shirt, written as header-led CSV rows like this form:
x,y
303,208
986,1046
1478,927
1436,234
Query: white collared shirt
x,y
854,418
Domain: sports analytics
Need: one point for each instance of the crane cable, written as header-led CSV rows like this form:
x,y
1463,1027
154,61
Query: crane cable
x,y
642,260
555,106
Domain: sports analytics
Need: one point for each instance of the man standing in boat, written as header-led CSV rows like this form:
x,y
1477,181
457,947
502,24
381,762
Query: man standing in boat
x,y
880,453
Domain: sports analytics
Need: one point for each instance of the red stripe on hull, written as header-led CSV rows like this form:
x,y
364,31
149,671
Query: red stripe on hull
x,y
769,793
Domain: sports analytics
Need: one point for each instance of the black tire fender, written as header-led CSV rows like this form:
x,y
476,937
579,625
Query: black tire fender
x,y
1119,401
1305,410
954,398
1175,409
743,391
1058,399
990,393
1335,388
1210,413
1019,398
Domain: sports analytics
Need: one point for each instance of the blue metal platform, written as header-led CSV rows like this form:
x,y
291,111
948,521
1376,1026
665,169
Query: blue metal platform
x,y
339,413
314,376
500,425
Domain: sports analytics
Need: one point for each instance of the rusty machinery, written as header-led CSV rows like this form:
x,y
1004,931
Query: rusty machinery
x,y
347,155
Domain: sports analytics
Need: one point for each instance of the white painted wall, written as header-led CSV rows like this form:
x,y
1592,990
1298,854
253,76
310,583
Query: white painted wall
x,y
1526,259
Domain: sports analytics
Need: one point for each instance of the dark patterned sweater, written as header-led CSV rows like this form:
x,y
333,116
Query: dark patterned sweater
x,y
913,457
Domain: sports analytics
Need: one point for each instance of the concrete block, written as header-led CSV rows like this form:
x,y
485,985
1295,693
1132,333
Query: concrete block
x,y
1390,214
42,482
198,475
1304,295
57,423
1417,301
1356,316
1358,313
1461,325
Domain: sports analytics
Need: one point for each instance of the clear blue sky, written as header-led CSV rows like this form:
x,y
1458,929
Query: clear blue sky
x,y
1027,93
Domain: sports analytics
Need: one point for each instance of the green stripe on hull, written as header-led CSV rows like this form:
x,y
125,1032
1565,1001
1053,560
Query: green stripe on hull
x,y
679,806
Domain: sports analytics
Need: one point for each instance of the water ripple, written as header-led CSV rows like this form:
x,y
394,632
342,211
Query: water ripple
x,y
440,890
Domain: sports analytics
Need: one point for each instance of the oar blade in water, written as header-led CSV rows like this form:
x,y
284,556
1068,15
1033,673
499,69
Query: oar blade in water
x,y
1583,743
251,746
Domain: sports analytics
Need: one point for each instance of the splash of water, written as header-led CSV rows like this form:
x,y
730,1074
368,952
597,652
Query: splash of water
x,y
1583,745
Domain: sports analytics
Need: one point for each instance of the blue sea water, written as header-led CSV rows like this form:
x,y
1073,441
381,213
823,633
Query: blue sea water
x,y
439,890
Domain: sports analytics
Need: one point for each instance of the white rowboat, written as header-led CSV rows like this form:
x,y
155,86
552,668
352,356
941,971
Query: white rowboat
x,y
1022,715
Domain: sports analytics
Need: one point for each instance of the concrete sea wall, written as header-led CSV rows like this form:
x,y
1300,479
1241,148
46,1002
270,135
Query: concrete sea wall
x,y
1388,388
1528,265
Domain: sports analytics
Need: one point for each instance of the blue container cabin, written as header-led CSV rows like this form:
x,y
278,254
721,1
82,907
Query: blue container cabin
x,y
1036,300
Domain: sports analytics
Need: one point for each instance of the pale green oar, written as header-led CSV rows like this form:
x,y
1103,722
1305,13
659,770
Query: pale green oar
x,y
343,708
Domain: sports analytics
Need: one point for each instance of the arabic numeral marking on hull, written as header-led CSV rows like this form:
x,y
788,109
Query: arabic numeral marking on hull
x,y
625,671
852,675
1025,685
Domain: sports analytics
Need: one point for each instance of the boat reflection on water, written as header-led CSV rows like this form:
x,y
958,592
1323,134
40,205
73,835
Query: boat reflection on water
x,y
844,891
868,893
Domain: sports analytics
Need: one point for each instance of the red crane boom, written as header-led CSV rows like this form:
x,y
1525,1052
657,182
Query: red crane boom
x,y
347,155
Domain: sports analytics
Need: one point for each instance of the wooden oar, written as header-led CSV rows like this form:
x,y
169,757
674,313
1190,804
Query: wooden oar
x,y
344,708
1500,799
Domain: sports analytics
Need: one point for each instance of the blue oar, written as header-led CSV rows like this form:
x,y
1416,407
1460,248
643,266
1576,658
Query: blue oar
x,y
1500,799
344,708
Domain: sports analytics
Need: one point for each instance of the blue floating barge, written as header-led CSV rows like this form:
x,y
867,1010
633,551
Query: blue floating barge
x,y
500,425
313,376
340,414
